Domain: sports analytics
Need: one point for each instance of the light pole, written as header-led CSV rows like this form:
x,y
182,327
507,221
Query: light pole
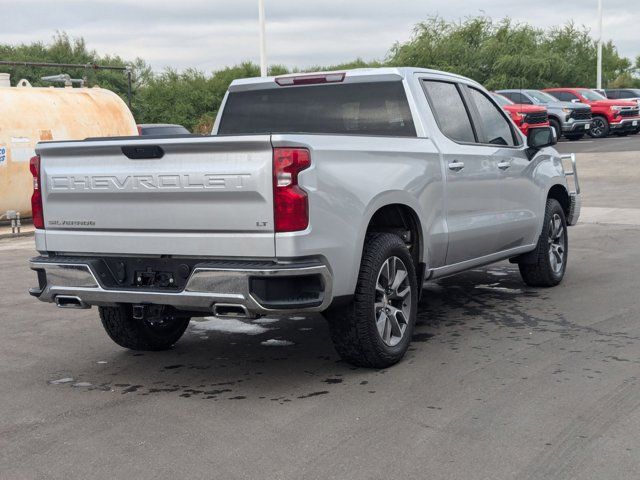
x,y
263,47
599,74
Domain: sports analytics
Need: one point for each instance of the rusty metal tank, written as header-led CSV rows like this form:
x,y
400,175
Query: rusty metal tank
x,y
29,115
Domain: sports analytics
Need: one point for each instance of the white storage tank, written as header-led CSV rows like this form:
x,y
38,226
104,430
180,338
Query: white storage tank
x,y
29,115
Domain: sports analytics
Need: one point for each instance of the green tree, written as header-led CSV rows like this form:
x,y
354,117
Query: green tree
x,y
504,54
63,49
498,54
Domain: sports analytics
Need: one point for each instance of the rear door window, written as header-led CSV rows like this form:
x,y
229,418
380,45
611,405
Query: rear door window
x,y
368,108
450,111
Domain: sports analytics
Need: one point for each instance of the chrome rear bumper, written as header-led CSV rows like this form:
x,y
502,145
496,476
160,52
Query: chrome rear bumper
x,y
206,287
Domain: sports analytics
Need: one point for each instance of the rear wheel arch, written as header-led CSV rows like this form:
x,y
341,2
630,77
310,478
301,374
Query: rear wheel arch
x,y
402,220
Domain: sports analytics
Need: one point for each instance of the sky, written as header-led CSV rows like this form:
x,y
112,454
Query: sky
x,y
211,34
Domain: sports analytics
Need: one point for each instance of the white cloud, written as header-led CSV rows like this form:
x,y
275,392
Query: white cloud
x,y
210,34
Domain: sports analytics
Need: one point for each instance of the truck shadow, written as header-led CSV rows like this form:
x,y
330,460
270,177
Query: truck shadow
x,y
285,359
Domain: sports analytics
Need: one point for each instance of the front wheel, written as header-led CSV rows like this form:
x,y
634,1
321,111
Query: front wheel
x,y
158,330
375,329
545,266
599,127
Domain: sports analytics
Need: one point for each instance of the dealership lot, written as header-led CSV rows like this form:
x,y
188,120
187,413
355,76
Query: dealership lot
x,y
613,143
502,381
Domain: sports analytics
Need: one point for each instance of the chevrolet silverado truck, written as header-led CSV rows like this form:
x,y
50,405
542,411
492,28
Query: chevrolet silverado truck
x,y
339,192
609,116
570,119
626,94
523,115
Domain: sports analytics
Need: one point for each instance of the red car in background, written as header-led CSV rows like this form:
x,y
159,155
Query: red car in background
x,y
617,116
524,116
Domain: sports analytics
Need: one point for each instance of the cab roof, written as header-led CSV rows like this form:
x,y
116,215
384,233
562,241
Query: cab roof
x,y
348,76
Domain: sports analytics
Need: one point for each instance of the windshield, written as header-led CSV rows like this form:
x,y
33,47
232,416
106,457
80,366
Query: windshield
x,y
591,95
541,97
500,100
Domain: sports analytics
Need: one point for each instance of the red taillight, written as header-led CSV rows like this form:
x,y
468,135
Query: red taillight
x,y
36,199
290,202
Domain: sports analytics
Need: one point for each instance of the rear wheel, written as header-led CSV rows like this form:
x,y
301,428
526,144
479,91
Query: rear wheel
x,y
375,329
545,266
599,127
158,330
574,136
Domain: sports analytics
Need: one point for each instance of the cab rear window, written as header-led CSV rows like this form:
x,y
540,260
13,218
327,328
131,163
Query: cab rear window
x,y
372,108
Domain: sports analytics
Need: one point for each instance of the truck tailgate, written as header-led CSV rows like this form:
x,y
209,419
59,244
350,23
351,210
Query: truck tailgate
x,y
205,196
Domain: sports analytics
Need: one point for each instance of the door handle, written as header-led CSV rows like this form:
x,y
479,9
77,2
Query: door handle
x,y
456,166
504,165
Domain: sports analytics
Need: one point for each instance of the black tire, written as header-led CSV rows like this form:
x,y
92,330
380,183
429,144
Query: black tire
x,y
599,127
622,134
574,136
354,329
537,269
139,334
555,124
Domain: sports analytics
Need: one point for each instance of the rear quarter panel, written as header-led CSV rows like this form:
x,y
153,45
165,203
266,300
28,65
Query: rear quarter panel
x,y
351,177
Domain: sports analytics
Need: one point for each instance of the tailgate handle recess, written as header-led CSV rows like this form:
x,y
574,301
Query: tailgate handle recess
x,y
140,152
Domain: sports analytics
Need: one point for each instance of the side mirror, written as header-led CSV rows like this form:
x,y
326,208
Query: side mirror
x,y
540,137
575,100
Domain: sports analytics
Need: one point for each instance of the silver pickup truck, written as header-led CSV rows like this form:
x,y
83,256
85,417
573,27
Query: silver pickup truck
x,y
339,193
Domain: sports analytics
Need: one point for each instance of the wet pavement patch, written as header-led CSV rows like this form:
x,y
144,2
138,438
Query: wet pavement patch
x,y
452,310
61,381
421,337
333,380
132,388
314,394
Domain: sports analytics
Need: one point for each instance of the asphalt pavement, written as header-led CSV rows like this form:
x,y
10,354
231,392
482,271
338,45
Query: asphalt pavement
x,y
502,381
613,143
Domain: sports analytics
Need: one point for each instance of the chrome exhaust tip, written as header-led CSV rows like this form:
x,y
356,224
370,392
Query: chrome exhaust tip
x,y
69,301
231,310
